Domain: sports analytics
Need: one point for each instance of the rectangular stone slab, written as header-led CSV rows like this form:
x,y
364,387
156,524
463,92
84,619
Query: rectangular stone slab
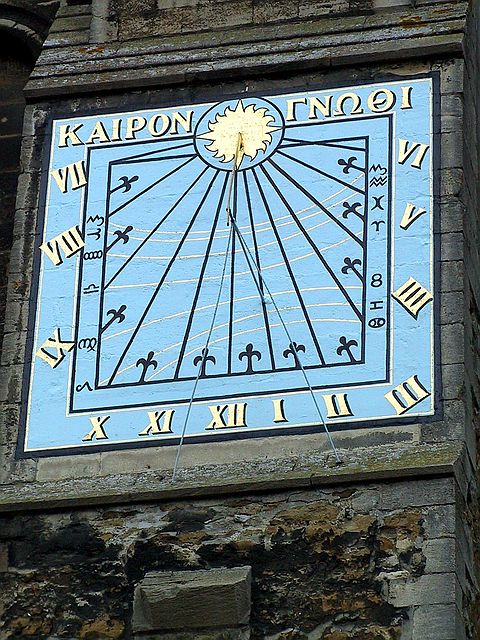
x,y
185,600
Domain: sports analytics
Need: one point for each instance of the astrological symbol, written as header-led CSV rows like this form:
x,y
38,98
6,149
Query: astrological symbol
x,y
116,315
376,304
293,350
236,414
337,405
97,431
349,164
87,343
378,168
74,171
146,363
279,410
352,208
418,148
121,236
92,255
60,346
376,323
96,234
92,288
378,182
407,395
377,224
202,361
377,280
346,347
70,241
412,296
410,214
96,219
81,387
351,265
378,203
126,184
249,354
154,427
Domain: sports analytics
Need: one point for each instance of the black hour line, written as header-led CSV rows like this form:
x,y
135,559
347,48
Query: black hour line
x,y
232,275
162,279
259,265
322,173
155,228
175,157
200,277
310,241
125,204
315,201
150,153
298,142
288,265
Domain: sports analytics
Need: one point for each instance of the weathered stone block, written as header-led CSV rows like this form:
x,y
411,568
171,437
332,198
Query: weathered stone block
x,y
428,589
434,621
188,600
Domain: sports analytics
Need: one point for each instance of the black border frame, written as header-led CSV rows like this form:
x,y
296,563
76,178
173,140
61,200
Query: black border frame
x,y
60,113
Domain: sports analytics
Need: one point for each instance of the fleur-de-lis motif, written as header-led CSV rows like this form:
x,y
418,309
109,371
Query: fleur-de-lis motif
x,y
202,361
352,208
121,236
146,363
349,164
116,315
346,347
250,354
126,183
351,265
293,349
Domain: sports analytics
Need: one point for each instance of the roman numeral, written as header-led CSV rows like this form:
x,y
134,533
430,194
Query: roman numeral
x,y
407,395
279,410
235,416
60,346
75,173
419,149
411,214
155,426
412,296
337,405
97,431
70,241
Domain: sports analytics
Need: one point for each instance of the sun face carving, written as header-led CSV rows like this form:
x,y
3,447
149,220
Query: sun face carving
x,y
239,132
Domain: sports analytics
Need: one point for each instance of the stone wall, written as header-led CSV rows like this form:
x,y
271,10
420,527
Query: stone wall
x,y
380,549
367,562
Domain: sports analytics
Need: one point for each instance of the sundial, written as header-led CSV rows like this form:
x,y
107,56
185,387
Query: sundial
x,y
249,260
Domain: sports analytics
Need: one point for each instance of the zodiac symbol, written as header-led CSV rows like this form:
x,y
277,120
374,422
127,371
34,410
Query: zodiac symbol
x,y
377,224
378,203
87,343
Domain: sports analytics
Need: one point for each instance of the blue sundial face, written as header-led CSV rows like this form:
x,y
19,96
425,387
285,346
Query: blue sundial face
x,y
266,260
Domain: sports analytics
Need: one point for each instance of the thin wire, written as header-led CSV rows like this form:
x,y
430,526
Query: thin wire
x,y
249,256
204,355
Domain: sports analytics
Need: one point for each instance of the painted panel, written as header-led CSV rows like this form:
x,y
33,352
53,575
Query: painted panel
x,y
252,266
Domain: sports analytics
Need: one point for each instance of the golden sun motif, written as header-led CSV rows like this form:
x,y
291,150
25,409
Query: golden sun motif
x,y
239,132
